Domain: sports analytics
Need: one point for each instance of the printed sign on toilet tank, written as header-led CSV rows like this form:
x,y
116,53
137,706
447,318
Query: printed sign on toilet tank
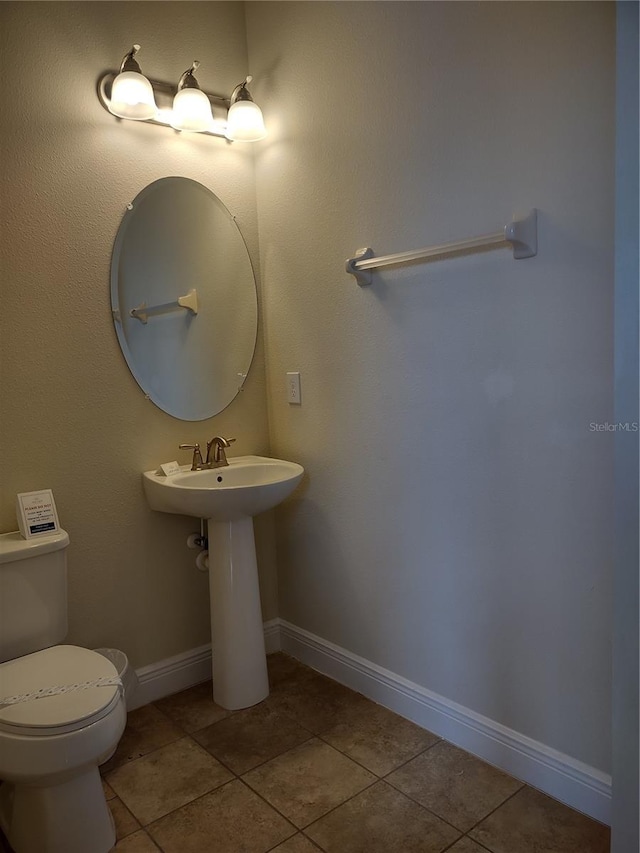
x,y
37,514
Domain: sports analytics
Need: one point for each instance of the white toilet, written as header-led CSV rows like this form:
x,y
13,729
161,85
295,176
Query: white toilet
x,y
51,744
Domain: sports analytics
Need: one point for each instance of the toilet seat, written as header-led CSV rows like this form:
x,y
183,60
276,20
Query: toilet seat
x,y
58,666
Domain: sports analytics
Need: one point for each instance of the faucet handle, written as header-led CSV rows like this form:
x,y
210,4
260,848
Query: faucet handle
x,y
196,464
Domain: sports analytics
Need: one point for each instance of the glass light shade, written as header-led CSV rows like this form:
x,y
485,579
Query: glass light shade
x,y
132,97
245,122
191,111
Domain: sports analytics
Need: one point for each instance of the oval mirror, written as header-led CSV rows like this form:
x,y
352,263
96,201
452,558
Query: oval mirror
x,y
183,298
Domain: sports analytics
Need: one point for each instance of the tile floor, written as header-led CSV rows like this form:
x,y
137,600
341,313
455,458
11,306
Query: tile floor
x,y
318,767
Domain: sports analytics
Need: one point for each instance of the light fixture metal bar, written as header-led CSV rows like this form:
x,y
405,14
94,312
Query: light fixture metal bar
x,y
521,235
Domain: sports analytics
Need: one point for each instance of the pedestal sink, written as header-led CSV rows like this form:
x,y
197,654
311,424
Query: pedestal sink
x,y
228,497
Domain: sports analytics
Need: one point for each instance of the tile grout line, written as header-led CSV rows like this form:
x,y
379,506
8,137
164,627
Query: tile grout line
x,y
357,794
336,807
353,796
320,737
385,780
145,827
473,841
422,806
236,778
493,811
153,841
301,830
364,766
312,735
235,775
239,777
311,841
261,763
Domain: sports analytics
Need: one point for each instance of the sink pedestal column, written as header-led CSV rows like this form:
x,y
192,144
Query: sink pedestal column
x,y
237,634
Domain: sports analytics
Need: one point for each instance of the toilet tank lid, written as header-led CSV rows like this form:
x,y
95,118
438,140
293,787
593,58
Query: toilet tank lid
x,y
14,547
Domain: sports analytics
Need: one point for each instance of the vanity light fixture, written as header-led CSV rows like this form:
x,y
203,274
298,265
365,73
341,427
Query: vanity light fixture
x,y
244,121
130,95
191,107
131,92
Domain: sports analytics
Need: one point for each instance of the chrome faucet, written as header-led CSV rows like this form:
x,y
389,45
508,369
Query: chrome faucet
x,y
218,444
197,464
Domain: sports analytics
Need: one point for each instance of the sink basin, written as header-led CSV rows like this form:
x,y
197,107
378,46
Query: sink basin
x,y
247,486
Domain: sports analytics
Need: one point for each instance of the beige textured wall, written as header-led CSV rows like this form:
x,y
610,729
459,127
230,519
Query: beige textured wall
x,y
456,526
73,419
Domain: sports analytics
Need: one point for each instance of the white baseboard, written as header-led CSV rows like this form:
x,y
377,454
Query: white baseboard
x,y
582,787
171,675
272,641
186,670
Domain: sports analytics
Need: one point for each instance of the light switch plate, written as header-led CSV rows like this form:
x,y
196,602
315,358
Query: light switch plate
x,y
293,388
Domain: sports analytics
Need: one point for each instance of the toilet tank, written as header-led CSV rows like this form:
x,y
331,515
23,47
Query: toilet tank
x,y
33,593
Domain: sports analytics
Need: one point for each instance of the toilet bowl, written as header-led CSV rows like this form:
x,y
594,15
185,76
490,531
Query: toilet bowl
x,y
51,746
62,710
